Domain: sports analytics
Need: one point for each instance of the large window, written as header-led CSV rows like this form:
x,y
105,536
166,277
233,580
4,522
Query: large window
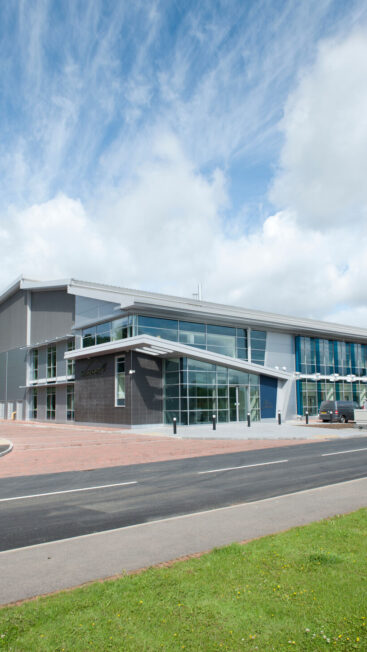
x,y
51,403
120,382
110,331
34,404
258,347
224,340
34,364
194,391
312,392
70,364
327,357
51,361
70,402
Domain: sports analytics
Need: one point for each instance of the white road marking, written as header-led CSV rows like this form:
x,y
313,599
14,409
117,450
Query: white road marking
x,y
354,450
192,515
246,466
68,491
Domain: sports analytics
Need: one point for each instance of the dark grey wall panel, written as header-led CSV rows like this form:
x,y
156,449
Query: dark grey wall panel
x,y
52,315
60,361
144,389
95,390
41,408
61,403
13,322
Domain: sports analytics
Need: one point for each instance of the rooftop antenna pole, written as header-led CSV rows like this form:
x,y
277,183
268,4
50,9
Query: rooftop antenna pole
x,y
198,295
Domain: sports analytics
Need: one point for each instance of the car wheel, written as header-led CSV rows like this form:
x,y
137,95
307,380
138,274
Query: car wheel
x,y
343,419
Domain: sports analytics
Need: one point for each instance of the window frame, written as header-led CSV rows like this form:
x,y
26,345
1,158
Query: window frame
x,y
118,373
51,362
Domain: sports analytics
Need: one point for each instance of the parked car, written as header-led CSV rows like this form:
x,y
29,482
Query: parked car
x,y
340,411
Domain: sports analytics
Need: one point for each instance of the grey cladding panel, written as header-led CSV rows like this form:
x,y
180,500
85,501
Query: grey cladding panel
x,y
16,374
13,322
52,315
87,310
3,367
12,375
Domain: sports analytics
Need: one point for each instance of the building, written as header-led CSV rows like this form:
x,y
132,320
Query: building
x,y
91,353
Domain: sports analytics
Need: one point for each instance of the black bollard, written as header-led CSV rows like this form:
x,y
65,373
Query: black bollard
x,y
248,419
306,415
174,421
279,419
214,418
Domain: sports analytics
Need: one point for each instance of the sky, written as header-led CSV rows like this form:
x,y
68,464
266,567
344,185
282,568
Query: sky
x,y
157,145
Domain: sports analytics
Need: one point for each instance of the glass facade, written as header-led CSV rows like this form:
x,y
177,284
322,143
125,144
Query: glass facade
x,y
258,347
314,355
34,365
224,340
34,403
344,362
109,331
51,361
70,364
194,391
70,402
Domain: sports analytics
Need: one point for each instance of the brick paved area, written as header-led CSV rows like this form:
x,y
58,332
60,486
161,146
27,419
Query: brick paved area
x,y
52,448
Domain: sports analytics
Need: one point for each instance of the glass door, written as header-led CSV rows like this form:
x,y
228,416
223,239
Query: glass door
x,y
238,402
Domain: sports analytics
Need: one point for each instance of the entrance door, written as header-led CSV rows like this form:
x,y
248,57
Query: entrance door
x,y
238,402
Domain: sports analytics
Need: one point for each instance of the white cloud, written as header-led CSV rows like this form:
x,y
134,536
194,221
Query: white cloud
x,y
156,219
324,159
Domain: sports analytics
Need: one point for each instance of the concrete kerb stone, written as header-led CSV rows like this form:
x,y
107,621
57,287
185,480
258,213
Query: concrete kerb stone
x,y
9,444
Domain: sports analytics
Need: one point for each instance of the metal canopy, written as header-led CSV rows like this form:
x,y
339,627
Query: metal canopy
x,y
158,347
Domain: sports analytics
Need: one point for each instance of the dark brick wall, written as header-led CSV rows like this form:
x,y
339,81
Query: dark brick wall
x,y
95,392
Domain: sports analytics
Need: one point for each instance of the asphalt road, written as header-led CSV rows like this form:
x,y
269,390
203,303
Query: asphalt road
x,y
79,503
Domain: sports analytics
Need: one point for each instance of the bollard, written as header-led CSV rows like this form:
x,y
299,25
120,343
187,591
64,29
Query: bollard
x,y
174,421
248,419
279,419
331,415
306,415
214,422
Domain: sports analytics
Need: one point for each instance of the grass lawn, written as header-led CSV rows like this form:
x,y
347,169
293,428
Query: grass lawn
x,y
305,589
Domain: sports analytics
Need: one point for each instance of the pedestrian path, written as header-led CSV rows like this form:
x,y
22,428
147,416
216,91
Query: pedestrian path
x,y
266,429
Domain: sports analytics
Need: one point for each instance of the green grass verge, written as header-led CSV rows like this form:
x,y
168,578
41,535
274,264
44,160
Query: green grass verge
x,y
301,590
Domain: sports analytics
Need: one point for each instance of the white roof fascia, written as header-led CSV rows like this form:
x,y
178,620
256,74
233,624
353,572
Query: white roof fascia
x,y
11,289
166,348
22,283
186,309
241,317
26,284
92,293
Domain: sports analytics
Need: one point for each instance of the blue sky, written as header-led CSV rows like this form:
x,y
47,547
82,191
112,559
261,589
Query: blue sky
x,y
161,144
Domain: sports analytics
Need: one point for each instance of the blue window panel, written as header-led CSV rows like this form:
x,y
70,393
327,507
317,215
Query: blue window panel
x,y
299,398
336,358
268,397
298,353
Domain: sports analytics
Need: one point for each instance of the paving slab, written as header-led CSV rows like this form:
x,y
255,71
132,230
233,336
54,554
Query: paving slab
x,y
50,567
51,448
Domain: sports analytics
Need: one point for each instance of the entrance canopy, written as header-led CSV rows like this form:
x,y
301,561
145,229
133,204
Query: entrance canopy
x,y
156,346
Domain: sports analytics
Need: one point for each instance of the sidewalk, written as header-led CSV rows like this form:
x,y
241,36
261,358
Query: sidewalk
x,y
51,448
49,567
